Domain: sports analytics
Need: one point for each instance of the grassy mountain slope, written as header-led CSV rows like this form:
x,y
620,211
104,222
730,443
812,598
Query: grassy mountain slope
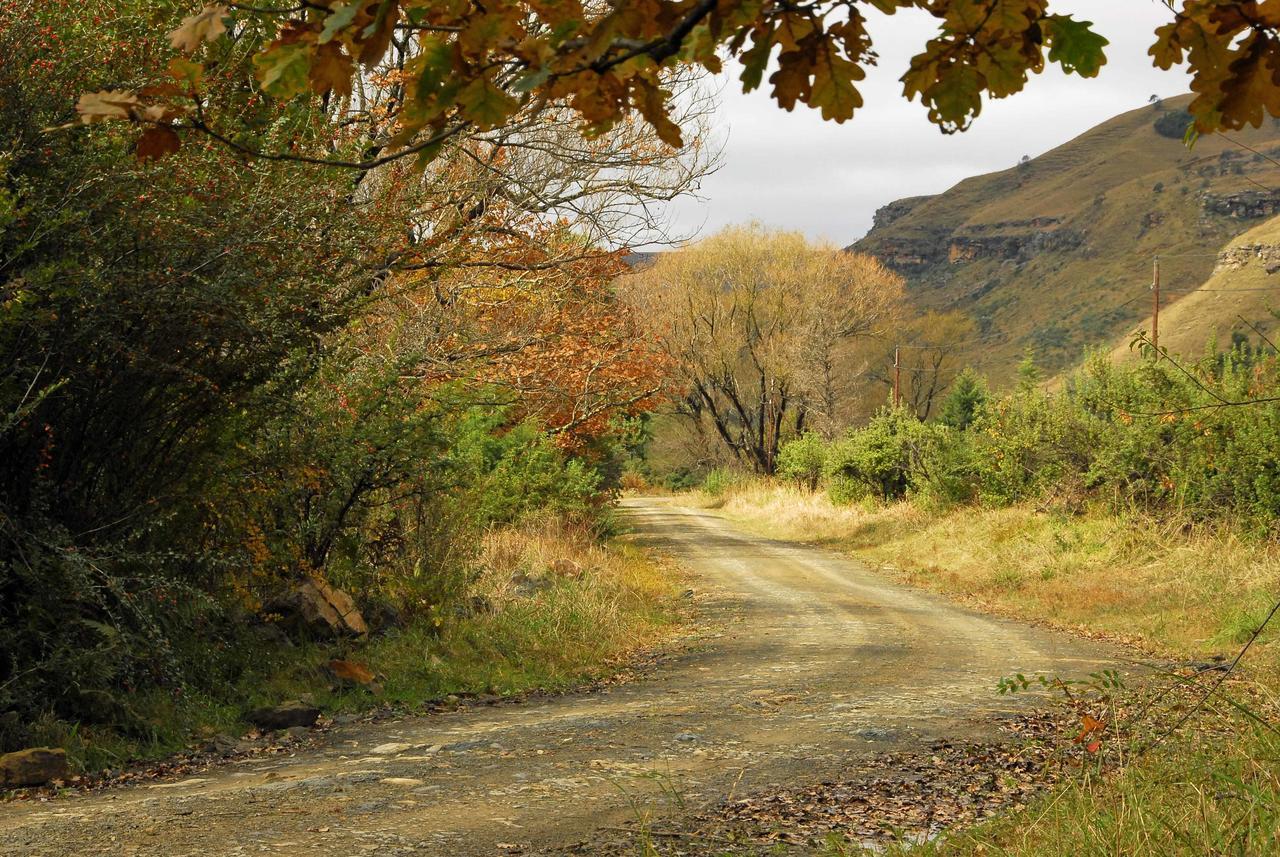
x,y
1236,298
1056,253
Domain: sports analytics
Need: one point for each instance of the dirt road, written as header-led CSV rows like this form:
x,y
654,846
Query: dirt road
x,y
813,661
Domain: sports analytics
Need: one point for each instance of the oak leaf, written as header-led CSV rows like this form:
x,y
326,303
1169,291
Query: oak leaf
x,y
1074,45
337,21
284,69
1004,71
832,90
755,59
331,70
376,37
162,113
204,26
485,104
1250,92
107,104
186,71
956,98
653,108
157,142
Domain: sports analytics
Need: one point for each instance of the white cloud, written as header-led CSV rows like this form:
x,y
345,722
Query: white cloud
x,y
794,171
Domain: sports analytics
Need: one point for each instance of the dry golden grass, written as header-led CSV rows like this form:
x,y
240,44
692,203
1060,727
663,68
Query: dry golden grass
x,y
1178,589
611,582
556,607
1181,590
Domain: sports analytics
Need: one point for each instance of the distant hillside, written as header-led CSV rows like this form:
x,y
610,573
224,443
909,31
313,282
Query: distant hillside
x,y
1236,298
1056,253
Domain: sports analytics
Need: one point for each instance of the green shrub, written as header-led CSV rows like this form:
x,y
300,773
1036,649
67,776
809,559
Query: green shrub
x,y
720,480
954,470
1028,442
844,490
965,400
804,460
153,316
683,479
888,458
1173,124
529,474
1152,435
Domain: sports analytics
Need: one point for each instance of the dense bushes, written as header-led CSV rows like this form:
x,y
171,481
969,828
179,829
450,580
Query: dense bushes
x,y
886,459
143,312
1155,434
197,405
1173,124
804,460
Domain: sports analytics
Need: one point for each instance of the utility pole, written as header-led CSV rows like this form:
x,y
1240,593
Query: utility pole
x,y
1155,306
897,379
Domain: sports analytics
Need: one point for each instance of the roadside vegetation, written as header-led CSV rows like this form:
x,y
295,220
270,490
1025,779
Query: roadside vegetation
x,y
1132,503
1174,588
551,607
317,379
247,430
1214,792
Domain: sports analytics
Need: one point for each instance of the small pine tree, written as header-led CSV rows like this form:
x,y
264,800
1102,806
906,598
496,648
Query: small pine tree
x,y
1028,372
967,396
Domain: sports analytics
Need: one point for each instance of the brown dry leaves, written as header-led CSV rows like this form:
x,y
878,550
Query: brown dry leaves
x,y
479,64
895,795
207,25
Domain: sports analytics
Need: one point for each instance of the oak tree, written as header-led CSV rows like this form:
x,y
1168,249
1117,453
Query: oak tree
x,y
451,65
758,326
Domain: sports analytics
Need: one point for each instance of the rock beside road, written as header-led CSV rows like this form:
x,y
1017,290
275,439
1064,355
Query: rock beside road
x,y
323,610
33,767
284,716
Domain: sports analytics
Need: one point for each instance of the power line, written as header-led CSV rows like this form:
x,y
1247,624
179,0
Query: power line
x,y
984,340
1245,289
1131,300
997,339
1249,148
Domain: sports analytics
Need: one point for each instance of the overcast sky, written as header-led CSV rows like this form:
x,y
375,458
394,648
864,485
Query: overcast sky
x,y
793,170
